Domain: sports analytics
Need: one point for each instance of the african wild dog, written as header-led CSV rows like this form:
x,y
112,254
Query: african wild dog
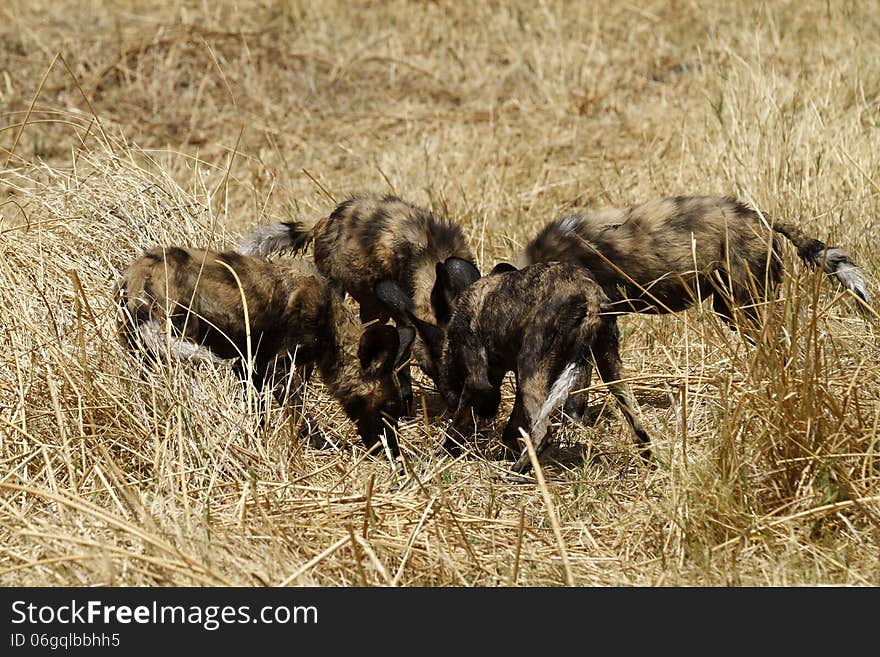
x,y
372,239
209,305
545,323
663,255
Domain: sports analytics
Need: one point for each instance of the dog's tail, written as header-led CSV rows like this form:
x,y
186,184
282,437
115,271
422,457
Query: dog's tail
x,y
266,239
835,262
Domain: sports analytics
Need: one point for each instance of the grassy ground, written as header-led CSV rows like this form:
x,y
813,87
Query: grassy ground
x,y
129,124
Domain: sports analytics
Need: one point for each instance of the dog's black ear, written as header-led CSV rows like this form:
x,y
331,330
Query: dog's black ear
x,y
406,335
378,349
502,267
452,277
399,304
460,273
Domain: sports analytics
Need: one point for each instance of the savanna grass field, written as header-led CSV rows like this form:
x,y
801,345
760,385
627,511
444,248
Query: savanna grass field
x,y
126,125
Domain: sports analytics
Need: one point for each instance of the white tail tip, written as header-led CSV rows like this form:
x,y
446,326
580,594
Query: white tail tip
x,y
839,265
153,337
263,240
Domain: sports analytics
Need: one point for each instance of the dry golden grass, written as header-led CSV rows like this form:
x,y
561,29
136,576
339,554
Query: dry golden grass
x,y
130,124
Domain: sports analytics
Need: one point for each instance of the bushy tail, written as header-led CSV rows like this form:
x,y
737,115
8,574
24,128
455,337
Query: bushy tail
x,y
834,261
263,240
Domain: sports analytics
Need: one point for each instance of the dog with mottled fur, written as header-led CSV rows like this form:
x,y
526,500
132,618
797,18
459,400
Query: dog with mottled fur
x,y
664,255
545,323
373,239
272,320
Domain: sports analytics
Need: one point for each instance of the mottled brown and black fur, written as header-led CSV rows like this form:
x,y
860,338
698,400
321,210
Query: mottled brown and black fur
x,y
371,239
663,255
545,323
192,304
